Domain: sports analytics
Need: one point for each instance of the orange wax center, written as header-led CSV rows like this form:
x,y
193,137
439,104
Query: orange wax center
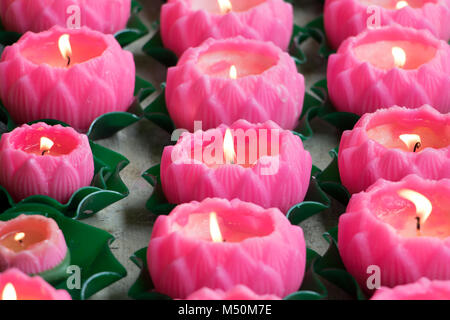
x,y
387,54
223,62
48,50
405,135
224,6
34,141
21,240
231,227
398,4
401,213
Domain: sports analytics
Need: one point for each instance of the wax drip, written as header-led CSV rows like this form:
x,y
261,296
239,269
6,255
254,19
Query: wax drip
x,y
417,146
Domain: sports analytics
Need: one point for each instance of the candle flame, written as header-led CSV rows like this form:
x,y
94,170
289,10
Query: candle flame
x,y
64,47
422,204
46,144
225,6
228,147
401,4
410,140
233,72
9,292
399,56
19,236
214,228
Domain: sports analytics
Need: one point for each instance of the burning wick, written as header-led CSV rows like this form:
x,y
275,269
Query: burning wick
x,y
228,147
399,57
65,48
401,4
225,6
214,228
9,292
19,237
233,72
422,204
46,145
412,141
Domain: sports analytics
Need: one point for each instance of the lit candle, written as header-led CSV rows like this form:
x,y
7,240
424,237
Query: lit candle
x,y
257,163
390,66
31,243
15,285
69,75
238,292
392,143
188,23
403,228
424,289
223,81
106,16
189,251
344,19
45,160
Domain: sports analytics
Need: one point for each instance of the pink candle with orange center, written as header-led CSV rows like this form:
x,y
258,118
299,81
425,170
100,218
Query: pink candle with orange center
x,y
403,228
40,159
392,143
15,285
223,81
219,244
390,66
65,74
259,163
188,23
31,243
347,18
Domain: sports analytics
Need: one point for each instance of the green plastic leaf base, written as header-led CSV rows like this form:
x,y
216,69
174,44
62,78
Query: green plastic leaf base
x,y
58,273
89,251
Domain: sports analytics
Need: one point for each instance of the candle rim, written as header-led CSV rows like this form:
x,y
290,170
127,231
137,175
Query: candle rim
x,y
274,214
108,40
366,122
365,199
12,135
193,54
187,138
390,31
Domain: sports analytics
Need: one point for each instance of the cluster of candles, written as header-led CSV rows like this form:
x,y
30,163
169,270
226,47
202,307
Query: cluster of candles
x,y
229,236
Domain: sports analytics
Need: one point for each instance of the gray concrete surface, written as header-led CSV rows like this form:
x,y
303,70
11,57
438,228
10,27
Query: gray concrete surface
x,y
142,144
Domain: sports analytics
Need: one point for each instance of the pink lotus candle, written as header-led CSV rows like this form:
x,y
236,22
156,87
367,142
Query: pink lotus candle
x,y
347,18
107,16
31,243
45,160
227,80
257,163
187,23
424,289
403,228
69,75
392,143
238,292
390,66
15,285
219,244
